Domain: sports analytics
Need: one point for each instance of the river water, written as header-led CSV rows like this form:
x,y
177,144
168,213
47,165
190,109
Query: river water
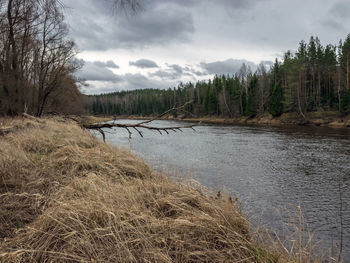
x,y
271,170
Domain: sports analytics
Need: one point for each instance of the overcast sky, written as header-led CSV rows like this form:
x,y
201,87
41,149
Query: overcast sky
x,y
169,41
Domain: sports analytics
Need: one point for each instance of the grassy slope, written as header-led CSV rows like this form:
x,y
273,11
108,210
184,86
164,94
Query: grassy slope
x,y
66,196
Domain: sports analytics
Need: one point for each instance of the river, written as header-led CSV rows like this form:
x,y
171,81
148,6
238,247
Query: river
x,y
271,170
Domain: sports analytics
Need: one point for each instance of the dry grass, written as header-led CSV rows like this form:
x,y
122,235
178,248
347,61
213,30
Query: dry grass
x,y
91,119
67,197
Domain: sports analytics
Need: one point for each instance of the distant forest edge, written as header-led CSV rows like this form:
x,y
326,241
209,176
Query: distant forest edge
x,y
315,78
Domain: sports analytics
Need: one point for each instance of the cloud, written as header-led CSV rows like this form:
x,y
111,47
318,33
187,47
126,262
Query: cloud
x,y
332,24
235,4
176,68
186,3
227,67
111,64
100,79
187,32
239,4
144,63
193,71
340,9
337,15
98,87
267,63
97,71
139,81
161,25
95,27
164,74
107,64
178,72
127,82
172,72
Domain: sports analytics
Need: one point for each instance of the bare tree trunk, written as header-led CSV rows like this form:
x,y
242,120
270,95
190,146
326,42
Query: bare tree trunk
x,y
13,57
298,95
339,97
319,89
240,103
227,107
347,72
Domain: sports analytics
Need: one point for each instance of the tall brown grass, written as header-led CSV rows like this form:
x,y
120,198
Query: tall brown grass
x,y
67,197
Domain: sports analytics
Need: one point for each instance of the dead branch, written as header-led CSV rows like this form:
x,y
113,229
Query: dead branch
x,y
167,112
99,126
30,117
103,134
141,125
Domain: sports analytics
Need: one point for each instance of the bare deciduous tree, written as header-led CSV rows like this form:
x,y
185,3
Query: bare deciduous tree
x,y
36,55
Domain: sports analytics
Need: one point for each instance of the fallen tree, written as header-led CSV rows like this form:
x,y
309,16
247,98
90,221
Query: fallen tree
x,y
142,125
110,125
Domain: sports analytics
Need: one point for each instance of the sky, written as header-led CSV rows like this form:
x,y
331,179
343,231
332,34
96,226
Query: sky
x,y
171,41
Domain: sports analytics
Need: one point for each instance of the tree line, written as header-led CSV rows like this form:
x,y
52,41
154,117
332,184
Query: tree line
x,y
37,60
314,78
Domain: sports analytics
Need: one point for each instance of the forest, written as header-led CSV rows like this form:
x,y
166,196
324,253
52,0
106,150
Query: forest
x,y
314,78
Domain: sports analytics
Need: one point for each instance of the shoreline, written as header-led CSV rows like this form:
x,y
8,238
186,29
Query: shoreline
x,y
66,194
314,119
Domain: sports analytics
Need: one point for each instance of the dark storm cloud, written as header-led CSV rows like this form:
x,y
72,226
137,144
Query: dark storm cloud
x,y
97,71
95,27
144,63
229,66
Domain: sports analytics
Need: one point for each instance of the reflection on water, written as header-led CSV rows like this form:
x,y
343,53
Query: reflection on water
x,y
267,168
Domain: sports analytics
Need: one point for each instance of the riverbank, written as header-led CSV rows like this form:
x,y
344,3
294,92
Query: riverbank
x,y
328,119
66,196
317,119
